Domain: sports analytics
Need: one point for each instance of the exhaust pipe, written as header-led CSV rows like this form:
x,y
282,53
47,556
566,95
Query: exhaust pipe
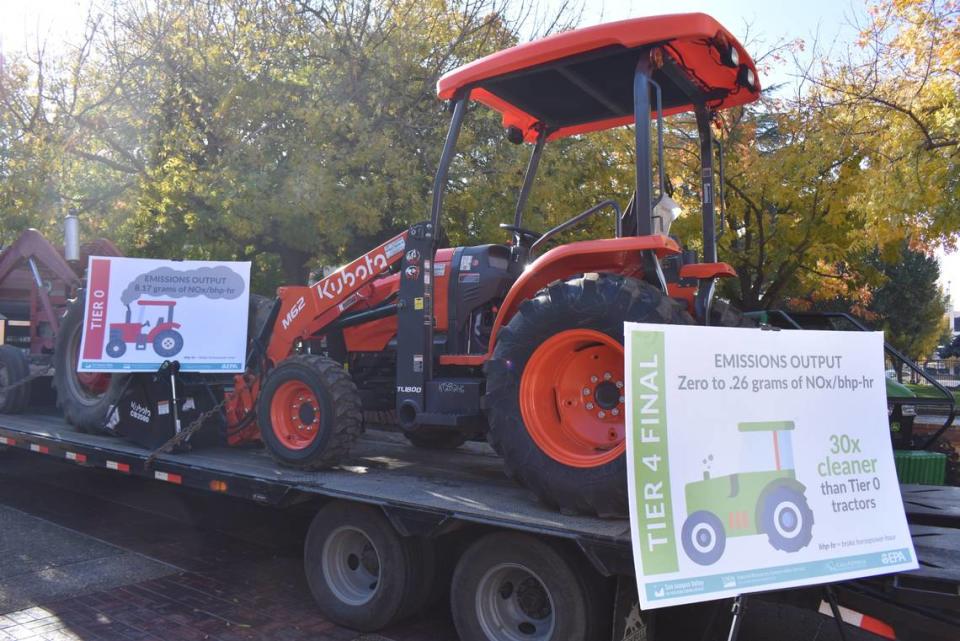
x,y
71,237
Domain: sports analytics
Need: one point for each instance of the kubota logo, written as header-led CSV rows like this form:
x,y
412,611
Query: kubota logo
x,y
293,313
363,268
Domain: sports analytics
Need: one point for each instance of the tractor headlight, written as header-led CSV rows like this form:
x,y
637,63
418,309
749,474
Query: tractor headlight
x,y
747,77
908,410
730,56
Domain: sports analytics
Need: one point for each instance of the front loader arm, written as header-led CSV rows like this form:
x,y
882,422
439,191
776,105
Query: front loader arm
x,y
304,311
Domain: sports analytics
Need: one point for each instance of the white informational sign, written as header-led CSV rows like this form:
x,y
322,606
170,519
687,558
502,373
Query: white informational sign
x,y
758,460
141,312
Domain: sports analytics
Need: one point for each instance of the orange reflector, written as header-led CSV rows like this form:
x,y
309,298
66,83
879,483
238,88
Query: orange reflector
x,y
218,486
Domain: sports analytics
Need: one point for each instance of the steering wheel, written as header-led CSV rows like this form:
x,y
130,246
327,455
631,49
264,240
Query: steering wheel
x,y
524,234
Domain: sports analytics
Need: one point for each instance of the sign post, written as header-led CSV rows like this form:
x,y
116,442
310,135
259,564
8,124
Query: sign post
x,y
758,460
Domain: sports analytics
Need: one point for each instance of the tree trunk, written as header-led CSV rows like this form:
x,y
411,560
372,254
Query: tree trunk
x,y
293,262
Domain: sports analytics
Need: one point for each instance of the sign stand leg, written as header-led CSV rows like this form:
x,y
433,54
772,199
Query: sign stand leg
x,y
737,611
831,595
115,407
174,370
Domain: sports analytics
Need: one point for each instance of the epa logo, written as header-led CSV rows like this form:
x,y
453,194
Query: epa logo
x,y
893,557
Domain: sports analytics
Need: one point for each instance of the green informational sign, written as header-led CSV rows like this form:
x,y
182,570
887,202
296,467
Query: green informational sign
x,y
758,460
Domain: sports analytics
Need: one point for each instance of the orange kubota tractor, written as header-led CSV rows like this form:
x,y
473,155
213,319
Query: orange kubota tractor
x,y
522,344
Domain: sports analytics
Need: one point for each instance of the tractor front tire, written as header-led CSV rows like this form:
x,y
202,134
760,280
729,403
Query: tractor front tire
x,y
703,537
309,412
786,518
555,389
14,367
116,349
85,398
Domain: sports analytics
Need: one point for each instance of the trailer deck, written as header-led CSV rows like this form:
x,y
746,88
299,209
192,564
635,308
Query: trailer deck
x,y
424,491
421,490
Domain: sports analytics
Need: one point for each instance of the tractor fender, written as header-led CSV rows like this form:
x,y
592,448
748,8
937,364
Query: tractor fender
x,y
160,328
608,255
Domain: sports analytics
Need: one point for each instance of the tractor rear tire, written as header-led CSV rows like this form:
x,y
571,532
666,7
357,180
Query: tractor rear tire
x,y
309,412
579,474
260,308
362,573
14,367
786,518
84,399
723,314
168,343
510,586
437,439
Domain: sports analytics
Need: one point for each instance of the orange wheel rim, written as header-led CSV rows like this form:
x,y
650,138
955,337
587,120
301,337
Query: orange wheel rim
x,y
295,415
571,398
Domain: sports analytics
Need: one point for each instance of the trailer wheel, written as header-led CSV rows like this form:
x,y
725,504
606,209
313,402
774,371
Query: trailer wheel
x,y
703,537
309,412
84,398
436,439
786,519
513,587
555,401
362,573
168,343
14,367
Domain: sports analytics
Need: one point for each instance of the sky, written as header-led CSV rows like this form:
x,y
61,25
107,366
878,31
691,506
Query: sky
x,y
57,22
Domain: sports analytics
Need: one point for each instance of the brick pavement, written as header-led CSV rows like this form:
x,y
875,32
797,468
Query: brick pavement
x,y
244,586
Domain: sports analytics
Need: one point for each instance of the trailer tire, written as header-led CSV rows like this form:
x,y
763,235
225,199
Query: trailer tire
x,y
14,367
436,439
309,412
84,399
510,586
362,573
542,349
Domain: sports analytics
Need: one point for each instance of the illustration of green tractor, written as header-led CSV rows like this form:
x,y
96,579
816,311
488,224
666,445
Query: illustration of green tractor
x,y
770,502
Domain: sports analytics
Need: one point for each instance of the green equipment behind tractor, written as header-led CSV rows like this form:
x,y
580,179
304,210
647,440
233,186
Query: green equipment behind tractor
x,y
770,501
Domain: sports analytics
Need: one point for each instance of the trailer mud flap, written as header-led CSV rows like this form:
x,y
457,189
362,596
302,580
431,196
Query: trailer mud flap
x,y
629,622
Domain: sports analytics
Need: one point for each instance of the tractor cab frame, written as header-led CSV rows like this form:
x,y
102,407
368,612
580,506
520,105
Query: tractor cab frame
x,y
566,85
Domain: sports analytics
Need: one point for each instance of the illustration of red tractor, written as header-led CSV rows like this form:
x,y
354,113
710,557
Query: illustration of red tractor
x,y
164,337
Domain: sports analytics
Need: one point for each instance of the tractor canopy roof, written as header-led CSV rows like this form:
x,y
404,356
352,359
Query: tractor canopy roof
x,y
582,80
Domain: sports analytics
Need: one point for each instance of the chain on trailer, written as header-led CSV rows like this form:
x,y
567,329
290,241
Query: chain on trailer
x,y
184,434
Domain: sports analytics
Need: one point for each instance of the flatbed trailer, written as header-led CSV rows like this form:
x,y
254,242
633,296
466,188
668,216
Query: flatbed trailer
x,y
463,495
